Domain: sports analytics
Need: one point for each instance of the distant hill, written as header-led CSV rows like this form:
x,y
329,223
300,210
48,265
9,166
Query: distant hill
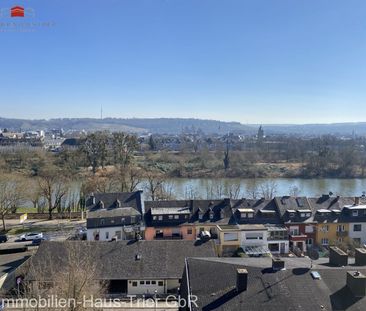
x,y
136,125
358,128
177,125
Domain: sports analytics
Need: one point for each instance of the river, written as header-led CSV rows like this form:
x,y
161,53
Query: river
x,y
200,187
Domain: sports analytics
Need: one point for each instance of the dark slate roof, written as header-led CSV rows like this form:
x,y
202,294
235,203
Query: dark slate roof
x,y
265,211
297,204
214,282
71,142
221,209
332,204
126,199
117,260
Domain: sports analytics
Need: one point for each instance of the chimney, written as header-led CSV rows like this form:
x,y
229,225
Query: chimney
x,y
241,280
277,263
337,257
360,257
357,200
356,282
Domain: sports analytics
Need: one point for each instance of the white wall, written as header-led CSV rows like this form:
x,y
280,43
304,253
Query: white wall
x,y
244,241
358,234
141,289
102,233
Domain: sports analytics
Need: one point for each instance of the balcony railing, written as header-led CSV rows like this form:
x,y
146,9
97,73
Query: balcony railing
x,y
170,237
342,233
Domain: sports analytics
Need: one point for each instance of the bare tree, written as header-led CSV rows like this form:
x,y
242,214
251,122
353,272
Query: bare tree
x,y
53,187
294,191
268,189
75,278
252,192
234,191
11,195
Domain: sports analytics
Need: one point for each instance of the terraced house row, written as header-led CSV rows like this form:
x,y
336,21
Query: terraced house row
x,y
257,226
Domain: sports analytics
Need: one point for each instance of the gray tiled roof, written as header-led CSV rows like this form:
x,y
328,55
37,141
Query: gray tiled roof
x,y
125,199
214,283
117,260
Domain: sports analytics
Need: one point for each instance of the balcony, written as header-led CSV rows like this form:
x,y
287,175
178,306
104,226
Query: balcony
x,y
342,234
168,237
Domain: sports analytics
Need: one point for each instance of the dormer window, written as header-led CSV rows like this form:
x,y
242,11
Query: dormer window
x,y
170,216
200,215
211,215
118,203
291,215
222,214
355,213
246,212
160,217
101,204
176,216
154,217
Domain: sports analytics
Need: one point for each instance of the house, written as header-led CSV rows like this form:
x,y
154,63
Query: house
x,y
114,216
168,220
263,211
298,216
127,267
233,284
331,227
355,216
185,219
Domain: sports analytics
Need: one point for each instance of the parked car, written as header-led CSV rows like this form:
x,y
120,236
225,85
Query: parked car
x,y
31,236
3,238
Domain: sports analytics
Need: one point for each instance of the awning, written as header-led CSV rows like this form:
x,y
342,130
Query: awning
x,y
256,250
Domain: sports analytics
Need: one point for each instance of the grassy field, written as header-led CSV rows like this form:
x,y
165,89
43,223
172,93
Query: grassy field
x,y
26,210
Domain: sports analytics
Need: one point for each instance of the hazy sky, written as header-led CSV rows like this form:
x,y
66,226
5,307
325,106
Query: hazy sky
x,y
253,61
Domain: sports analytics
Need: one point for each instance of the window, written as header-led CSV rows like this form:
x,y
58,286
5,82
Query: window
x,y
176,216
142,282
230,237
302,215
189,231
325,241
309,229
250,215
291,215
133,219
294,230
355,213
325,228
147,282
308,214
170,216
357,227
153,282
200,216
340,228
211,216
154,217
123,219
160,217
309,241
112,221
160,283
107,235
134,284
102,221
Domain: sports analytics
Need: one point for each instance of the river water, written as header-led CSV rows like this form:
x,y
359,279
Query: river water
x,y
203,187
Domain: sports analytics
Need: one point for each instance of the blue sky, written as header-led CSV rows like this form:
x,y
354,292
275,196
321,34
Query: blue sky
x,y
253,61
